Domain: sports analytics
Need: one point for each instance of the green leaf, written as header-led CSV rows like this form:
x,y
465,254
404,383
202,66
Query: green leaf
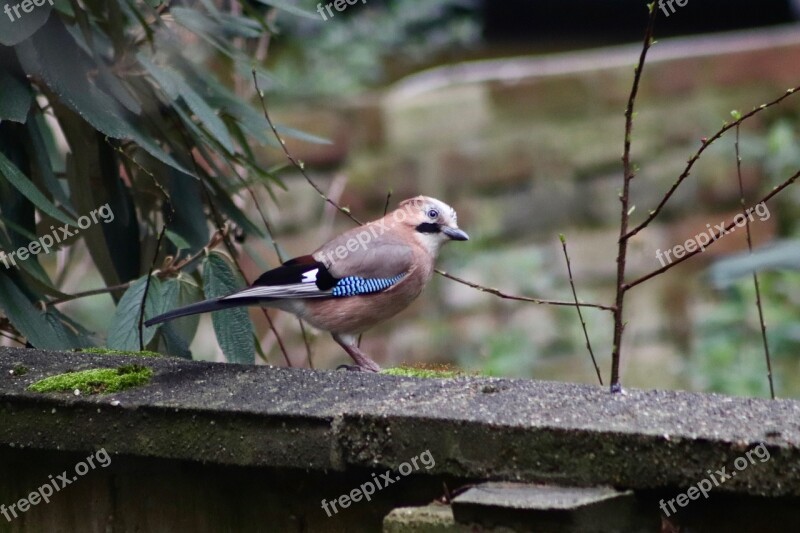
x,y
29,320
291,8
68,338
207,116
179,242
54,57
25,186
286,131
44,163
124,331
233,326
16,98
14,30
188,292
174,86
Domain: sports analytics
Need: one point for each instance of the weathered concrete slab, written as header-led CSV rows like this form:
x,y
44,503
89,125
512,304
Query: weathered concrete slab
x,y
475,428
520,506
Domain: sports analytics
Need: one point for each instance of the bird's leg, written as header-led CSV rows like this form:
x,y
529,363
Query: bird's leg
x,y
348,342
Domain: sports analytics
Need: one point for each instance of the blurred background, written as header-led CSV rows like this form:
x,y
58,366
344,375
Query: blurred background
x,y
512,112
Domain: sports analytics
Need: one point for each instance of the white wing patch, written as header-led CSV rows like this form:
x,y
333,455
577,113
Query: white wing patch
x,y
310,276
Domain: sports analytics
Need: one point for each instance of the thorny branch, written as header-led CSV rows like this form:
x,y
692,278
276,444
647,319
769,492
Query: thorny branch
x,y
619,325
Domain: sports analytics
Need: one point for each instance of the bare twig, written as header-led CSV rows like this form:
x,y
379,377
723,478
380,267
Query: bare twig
x,y
298,164
578,308
775,191
628,171
706,143
755,276
10,337
170,268
505,296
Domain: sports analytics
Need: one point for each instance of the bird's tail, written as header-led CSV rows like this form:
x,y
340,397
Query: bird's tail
x,y
217,304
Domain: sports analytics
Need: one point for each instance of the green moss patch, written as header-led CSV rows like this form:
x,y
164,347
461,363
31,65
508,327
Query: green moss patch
x,y
106,351
96,380
425,371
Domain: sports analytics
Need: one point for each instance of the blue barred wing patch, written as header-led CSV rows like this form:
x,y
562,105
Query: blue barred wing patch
x,y
356,285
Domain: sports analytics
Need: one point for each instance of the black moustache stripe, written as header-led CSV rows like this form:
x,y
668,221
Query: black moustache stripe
x,y
429,227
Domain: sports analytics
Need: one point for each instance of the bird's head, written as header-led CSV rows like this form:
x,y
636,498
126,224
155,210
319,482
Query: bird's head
x,y
432,221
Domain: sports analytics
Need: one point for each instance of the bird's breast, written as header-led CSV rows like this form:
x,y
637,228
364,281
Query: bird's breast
x,y
355,314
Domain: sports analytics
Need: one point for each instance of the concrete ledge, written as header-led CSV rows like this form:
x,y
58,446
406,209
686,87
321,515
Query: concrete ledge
x,y
475,428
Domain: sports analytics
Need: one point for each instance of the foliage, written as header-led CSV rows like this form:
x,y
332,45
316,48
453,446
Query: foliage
x,y
124,104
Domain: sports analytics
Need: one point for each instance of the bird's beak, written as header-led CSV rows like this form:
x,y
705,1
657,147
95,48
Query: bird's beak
x,y
455,234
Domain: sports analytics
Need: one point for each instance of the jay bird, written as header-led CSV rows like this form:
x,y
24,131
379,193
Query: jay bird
x,y
357,280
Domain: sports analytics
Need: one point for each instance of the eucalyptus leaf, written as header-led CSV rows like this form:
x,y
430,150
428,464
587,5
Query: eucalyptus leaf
x,y
25,186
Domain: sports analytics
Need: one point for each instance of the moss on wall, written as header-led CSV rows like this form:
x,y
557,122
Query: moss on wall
x,y
96,380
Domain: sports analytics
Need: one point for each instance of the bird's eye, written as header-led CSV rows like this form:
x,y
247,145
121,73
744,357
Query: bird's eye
x,y
433,214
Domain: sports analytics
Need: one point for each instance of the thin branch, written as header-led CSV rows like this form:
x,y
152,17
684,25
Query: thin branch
x,y
578,308
300,167
706,143
11,337
628,175
755,276
505,296
298,164
170,268
724,231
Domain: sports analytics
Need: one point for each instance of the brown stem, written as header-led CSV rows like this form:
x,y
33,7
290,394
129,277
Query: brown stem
x,y
628,175
578,308
775,191
505,296
755,276
706,143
